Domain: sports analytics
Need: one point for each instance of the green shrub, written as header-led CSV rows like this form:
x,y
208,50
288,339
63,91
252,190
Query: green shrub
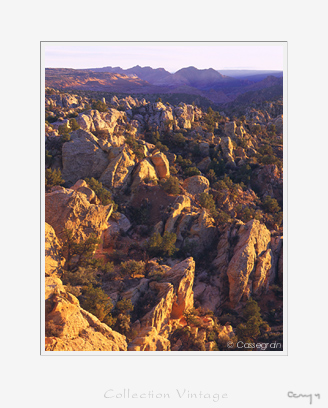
x,y
124,306
99,106
162,245
191,171
218,166
48,158
222,217
272,130
95,301
132,268
108,271
83,276
63,129
51,119
140,215
171,185
184,162
191,317
251,330
247,213
256,129
73,115
53,178
207,201
157,273
243,174
137,148
104,195
211,176
66,137
73,124
270,205
179,139
79,254
266,156
122,312
251,309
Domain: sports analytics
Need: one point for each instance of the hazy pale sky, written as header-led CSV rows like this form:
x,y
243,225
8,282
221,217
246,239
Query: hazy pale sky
x,y
172,57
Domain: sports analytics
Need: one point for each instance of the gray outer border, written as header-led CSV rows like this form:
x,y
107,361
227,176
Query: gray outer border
x,y
284,353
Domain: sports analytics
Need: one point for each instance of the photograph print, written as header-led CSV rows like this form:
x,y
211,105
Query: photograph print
x,y
163,196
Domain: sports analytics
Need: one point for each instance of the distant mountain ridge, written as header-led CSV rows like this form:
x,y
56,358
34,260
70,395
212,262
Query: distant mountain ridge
x,y
208,83
148,74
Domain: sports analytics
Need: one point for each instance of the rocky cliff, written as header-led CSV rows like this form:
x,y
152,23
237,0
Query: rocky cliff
x,y
69,327
163,221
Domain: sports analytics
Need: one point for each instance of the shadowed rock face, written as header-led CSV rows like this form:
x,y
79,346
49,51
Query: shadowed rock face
x,y
68,326
181,202
181,276
54,262
66,208
268,180
118,173
175,296
253,241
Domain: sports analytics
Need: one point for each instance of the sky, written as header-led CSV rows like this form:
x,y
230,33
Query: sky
x,y
172,57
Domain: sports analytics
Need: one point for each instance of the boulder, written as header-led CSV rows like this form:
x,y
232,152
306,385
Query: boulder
x,y
66,208
117,175
185,115
225,333
145,170
107,122
115,226
82,187
82,157
148,339
202,232
227,149
71,328
204,164
161,164
160,117
196,185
